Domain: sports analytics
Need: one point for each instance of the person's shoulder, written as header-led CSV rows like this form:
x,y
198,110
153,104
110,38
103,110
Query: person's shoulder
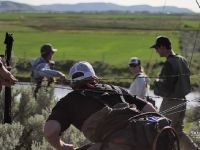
x,y
176,58
110,87
172,57
181,57
141,74
141,77
72,95
37,61
103,86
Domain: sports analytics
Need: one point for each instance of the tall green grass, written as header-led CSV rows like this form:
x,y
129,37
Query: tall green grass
x,y
111,47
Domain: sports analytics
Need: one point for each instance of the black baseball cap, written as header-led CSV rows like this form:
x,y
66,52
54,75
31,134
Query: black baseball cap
x,y
47,48
161,40
134,61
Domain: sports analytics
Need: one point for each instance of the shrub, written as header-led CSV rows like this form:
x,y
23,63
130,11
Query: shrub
x,y
10,135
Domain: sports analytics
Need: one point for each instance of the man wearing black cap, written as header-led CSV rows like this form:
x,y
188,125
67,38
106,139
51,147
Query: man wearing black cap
x,y
42,66
173,85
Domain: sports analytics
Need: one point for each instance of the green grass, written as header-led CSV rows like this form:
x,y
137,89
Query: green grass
x,y
109,37
111,47
99,21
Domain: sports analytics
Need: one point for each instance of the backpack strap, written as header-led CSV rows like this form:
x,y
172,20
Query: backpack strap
x,y
173,140
119,91
99,93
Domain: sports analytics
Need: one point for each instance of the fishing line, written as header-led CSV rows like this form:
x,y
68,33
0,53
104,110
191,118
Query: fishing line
x,y
195,42
179,105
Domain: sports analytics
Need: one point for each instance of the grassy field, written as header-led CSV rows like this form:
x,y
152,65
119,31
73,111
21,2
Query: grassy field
x,y
111,47
109,37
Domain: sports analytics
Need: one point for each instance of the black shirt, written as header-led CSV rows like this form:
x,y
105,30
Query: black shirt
x,y
78,105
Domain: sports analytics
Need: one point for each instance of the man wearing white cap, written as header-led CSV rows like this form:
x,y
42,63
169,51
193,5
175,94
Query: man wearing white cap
x,y
100,112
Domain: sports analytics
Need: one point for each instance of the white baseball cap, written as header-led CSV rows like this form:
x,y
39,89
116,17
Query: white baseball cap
x,y
81,71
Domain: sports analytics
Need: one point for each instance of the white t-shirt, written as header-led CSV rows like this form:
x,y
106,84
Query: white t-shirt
x,y
139,86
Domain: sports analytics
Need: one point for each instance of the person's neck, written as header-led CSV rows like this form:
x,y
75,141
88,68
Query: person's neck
x,y
46,59
136,73
171,52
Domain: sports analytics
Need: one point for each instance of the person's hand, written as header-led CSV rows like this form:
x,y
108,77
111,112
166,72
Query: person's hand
x,y
6,78
62,76
10,80
67,147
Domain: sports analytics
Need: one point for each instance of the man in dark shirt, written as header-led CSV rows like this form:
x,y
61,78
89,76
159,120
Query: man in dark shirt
x,y
173,85
87,98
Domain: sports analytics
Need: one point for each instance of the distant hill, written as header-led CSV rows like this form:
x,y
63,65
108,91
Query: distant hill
x,y
110,7
89,7
12,6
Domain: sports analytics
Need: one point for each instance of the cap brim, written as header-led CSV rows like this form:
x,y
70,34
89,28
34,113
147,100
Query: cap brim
x,y
132,63
153,46
54,50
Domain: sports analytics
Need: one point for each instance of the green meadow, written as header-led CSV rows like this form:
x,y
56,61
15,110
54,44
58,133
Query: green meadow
x,y
111,47
111,37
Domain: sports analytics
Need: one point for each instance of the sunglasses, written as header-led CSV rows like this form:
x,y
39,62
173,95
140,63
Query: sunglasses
x,y
133,65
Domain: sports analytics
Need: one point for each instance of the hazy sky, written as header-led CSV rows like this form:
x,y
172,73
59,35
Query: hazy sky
x,y
190,4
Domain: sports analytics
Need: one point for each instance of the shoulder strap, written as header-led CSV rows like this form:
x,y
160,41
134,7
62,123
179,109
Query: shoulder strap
x,y
95,94
100,94
137,75
119,91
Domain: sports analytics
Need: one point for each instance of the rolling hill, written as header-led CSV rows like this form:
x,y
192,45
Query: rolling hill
x,y
88,7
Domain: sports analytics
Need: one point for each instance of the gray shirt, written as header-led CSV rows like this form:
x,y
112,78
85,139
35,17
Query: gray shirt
x,y
41,68
174,79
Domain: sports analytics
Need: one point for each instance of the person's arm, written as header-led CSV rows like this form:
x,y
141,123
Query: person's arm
x,y
44,70
140,103
6,78
52,130
132,88
148,108
165,84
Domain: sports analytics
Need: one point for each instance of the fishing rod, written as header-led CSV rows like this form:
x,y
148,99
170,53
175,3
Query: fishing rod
x,y
196,37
